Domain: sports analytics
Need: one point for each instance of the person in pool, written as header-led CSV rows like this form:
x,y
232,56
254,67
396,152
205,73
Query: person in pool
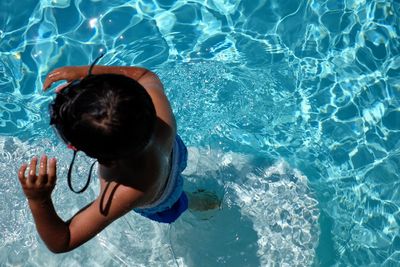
x,y
121,117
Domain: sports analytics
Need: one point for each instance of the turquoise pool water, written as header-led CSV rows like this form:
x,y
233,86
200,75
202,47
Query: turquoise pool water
x,y
290,110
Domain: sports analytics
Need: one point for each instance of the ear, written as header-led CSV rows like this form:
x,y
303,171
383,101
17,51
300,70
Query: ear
x,y
70,146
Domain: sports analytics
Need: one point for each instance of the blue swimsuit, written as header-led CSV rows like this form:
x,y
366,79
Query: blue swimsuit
x,y
173,202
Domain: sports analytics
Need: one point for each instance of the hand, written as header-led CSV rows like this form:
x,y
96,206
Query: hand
x,y
64,73
38,187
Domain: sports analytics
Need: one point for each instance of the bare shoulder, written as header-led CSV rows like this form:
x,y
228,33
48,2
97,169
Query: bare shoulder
x,y
151,80
154,87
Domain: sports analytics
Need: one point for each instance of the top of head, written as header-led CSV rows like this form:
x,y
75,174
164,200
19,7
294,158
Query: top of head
x,y
107,116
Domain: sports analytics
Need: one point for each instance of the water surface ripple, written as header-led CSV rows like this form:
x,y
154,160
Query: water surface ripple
x,y
293,99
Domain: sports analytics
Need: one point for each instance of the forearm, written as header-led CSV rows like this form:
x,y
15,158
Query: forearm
x,y
132,72
51,228
71,73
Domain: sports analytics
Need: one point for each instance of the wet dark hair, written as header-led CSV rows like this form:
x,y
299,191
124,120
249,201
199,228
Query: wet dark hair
x,y
107,116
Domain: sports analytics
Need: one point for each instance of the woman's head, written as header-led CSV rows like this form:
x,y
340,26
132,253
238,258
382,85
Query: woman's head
x,y
106,116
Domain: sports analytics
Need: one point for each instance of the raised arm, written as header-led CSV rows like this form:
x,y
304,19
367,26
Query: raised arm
x,y
71,73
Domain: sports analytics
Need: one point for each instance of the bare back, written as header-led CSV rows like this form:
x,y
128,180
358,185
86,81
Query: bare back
x,y
148,172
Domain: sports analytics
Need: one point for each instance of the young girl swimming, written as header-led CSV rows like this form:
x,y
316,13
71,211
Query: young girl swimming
x,y
121,117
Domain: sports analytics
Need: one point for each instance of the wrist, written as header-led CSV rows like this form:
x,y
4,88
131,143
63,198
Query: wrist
x,y
39,201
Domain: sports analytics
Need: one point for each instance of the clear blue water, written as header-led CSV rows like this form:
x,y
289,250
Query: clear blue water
x,y
290,110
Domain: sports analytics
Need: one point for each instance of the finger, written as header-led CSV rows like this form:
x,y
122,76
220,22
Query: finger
x,y
52,77
61,87
32,166
43,165
32,172
42,179
21,174
52,171
48,81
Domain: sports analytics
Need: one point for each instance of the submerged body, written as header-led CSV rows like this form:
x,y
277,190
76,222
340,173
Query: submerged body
x,y
136,181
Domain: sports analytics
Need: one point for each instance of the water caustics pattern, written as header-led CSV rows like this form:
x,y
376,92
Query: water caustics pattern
x,y
290,109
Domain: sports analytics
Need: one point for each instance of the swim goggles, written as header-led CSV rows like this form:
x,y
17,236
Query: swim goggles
x,y
59,130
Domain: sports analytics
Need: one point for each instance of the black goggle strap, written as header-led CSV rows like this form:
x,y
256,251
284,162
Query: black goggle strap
x,y
75,152
70,175
94,63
